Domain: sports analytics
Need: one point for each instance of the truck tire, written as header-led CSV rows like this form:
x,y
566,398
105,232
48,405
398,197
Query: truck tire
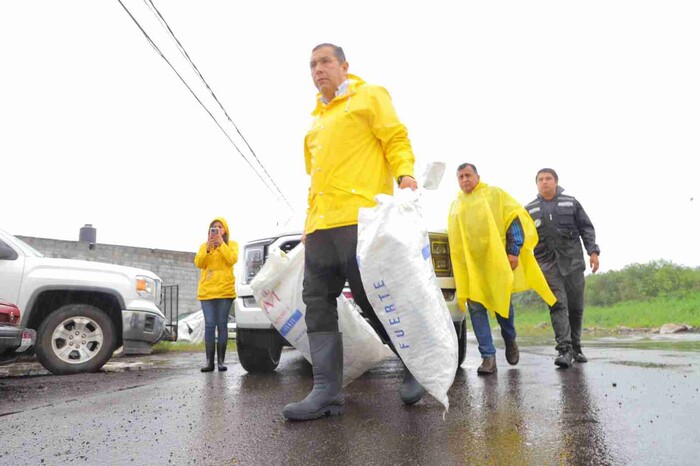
x,y
75,338
258,350
461,342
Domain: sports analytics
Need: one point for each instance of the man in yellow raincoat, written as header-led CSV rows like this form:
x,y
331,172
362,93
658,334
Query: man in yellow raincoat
x,y
492,238
355,149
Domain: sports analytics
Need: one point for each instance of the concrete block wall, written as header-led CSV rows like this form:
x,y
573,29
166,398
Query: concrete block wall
x,y
173,267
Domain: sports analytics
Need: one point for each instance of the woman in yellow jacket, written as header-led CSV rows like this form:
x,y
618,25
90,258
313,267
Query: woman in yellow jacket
x,y
216,290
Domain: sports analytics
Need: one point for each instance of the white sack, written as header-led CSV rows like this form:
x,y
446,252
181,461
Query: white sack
x,y
278,290
393,251
191,328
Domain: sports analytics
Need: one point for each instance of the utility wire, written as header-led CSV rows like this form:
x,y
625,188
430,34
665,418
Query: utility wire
x,y
164,23
155,47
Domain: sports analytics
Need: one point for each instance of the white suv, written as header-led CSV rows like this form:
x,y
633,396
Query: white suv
x,y
260,344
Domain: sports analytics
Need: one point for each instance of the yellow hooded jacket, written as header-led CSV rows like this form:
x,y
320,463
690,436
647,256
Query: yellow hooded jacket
x,y
216,279
477,226
356,148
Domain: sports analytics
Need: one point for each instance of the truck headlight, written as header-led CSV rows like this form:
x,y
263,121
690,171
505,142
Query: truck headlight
x,y
440,252
254,260
147,288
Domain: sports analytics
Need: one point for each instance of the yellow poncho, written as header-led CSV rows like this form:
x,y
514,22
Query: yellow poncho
x,y
477,226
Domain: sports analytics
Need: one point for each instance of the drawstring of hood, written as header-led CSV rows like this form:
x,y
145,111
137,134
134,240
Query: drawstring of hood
x,y
345,90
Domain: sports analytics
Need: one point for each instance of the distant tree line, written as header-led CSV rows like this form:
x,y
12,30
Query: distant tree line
x,y
635,282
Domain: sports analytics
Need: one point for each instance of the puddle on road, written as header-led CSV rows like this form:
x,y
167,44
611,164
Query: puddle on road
x,y
23,369
651,365
654,343
119,366
673,342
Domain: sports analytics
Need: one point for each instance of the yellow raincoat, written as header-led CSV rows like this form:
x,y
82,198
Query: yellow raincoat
x,y
216,280
356,148
477,226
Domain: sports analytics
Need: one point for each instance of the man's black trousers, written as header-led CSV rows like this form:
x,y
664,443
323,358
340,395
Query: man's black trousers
x,y
331,259
567,312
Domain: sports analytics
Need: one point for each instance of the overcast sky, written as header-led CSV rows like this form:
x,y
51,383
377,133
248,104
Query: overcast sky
x,y
96,128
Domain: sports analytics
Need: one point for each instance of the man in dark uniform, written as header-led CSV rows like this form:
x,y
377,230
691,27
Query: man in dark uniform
x,y
561,225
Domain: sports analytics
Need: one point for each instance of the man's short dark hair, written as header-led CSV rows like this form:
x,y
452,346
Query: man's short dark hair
x,y
337,51
550,171
465,165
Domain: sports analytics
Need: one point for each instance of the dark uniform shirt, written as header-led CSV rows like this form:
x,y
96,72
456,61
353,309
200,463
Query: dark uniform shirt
x,y
561,225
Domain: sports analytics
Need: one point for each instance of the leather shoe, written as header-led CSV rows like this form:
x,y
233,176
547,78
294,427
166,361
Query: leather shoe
x,y
488,366
512,352
565,359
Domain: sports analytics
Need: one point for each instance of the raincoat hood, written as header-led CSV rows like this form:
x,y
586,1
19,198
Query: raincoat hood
x,y
354,82
225,224
479,186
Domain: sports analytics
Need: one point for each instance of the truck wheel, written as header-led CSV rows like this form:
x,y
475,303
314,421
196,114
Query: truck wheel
x,y
75,338
461,342
258,350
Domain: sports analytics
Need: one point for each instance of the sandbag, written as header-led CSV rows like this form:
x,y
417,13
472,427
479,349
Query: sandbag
x,y
278,290
393,250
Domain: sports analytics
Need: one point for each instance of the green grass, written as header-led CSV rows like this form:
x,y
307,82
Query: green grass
x,y
606,320
185,346
634,314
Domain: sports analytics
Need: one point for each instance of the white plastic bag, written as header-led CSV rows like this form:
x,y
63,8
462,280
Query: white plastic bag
x,y
278,290
432,175
393,251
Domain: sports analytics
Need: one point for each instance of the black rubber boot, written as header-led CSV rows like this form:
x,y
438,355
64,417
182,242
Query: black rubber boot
x,y
209,350
411,391
326,397
220,355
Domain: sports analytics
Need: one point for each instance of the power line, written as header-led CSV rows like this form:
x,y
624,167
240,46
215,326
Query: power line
x,y
184,53
155,47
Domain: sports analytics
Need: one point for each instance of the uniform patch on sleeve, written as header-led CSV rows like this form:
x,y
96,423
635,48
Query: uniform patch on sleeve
x,y
538,222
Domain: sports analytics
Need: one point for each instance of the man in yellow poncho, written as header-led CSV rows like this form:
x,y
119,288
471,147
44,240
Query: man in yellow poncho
x,y
491,242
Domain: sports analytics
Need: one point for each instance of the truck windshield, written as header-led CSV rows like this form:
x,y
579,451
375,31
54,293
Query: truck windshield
x,y
27,248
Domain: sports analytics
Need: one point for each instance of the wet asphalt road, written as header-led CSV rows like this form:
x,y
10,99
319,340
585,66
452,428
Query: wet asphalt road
x,y
633,403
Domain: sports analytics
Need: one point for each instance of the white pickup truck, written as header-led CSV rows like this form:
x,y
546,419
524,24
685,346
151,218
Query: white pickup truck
x,y
82,311
260,344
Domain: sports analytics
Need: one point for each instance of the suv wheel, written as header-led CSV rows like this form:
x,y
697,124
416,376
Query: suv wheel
x,y
461,341
258,350
75,338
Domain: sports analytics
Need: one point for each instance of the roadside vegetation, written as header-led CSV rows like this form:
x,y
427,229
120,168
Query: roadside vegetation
x,y
640,296
186,346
